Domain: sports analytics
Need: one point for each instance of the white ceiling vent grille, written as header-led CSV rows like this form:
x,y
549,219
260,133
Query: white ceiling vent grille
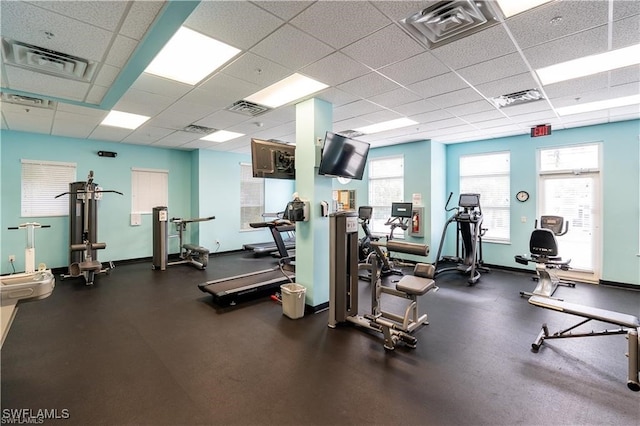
x,y
201,130
450,20
517,98
247,108
47,61
27,101
350,133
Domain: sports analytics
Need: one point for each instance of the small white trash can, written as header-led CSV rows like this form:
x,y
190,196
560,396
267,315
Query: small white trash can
x,y
293,297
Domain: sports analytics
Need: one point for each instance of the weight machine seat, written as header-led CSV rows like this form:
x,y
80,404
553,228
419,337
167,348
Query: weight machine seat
x,y
612,317
196,248
91,265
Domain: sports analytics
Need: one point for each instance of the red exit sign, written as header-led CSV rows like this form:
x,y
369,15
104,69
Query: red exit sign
x,y
541,130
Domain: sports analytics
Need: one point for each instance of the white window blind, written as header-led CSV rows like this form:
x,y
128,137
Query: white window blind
x,y
386,185
251,197
489,176
149,189
41,182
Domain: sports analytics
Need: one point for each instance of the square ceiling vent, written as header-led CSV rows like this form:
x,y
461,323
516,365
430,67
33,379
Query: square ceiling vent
x,y
447,21
47,61
27,101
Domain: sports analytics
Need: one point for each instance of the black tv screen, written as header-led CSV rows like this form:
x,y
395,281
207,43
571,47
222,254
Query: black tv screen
x,y
270,159
343,157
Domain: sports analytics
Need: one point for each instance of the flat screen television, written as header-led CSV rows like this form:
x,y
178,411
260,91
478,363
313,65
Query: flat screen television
x,y
270,159
343,157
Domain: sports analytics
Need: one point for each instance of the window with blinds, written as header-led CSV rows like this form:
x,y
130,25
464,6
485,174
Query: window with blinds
x,y
489,176
386,185
251,197
41,182
149,189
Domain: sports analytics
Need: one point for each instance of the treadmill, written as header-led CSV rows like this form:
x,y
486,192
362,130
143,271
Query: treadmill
x,y
227,291
272,247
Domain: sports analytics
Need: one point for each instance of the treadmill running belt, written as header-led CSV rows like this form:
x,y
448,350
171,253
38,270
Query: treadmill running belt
x,y
229,288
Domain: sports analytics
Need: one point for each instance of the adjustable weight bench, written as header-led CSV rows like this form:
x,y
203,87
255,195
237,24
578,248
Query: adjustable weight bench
x,y
629,325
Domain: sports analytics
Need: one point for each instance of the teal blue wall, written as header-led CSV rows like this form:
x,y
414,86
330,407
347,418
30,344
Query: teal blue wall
x,y
201,183
620,215
424,167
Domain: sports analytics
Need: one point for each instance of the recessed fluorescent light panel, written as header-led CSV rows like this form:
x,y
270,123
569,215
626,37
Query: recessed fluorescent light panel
x,y
124,119
294,87
599,105
589,65
221,136
190,56
513,7
386,125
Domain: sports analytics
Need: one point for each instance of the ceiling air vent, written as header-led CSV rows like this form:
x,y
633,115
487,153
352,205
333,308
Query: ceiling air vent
x,y
350,133
47,61
27,101
446,21
517,98
201,130
247,108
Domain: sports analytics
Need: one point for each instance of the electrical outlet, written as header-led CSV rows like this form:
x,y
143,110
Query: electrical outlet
x,y
12,258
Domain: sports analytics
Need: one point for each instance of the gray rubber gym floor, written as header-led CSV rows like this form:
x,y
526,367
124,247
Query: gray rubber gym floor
x,y
145,347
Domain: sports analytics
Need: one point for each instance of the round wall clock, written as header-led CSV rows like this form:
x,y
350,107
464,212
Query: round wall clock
x,y
522,196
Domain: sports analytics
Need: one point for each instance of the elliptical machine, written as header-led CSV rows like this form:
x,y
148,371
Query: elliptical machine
x,y
469,232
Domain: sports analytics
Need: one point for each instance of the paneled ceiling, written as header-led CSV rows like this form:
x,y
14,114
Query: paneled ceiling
x,y
376,71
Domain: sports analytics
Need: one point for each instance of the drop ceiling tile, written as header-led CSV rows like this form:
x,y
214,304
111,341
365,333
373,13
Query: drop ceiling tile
x,y
458,97
45,85
187,108
414,69
176,139
575,17
336,97
281,132
144,103
220,91
625,8
283,46
96,94
398,10
432,116
598,95
490,43
82,110
147,134
120,51
256,70
334,22
530,120
335,69
507,85
567,48
368,85
199,144
350,124
354,109
141,15
625,75
384,47
284,114
161,86
626,32
106,75
101,14
28,122
438,85
494,69
483,116
576,86
443,124
74,125
70,36
240,24
417,107
471,108
222,119
528,108
284,9
380,116
395,97
108,133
